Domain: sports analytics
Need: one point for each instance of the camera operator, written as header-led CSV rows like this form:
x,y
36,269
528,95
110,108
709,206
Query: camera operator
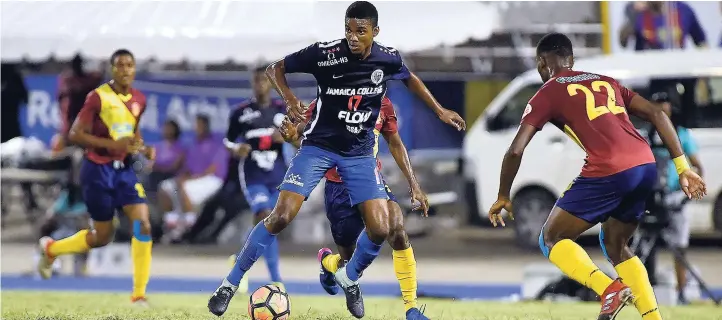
x,y
669,204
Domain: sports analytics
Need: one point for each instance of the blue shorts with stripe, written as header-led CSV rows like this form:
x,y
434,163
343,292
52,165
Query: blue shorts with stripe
x,y
261,197
621,196
345,218
109,187
359,174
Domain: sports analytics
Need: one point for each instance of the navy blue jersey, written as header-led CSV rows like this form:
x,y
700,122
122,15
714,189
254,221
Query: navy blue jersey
x,y
350,91
255,125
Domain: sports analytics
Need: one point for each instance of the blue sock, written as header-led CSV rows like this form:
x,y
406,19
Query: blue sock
x,y
272,256
365,253
256,244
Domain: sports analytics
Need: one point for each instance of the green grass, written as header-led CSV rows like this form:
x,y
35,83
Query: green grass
x,y
108,306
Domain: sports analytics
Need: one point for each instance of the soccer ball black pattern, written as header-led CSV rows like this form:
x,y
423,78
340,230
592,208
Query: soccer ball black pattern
x,y
269,302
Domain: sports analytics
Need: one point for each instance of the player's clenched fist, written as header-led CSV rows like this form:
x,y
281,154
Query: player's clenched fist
x,y
495,211
295,110
692,184
288,130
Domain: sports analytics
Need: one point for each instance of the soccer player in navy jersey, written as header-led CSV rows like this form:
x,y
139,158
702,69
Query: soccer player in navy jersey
x,y
617,177
260,150
351,74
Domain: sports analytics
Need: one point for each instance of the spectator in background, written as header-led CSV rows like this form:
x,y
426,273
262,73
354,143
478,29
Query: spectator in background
x,y
73,86
169,155
661,25
14,94
201,177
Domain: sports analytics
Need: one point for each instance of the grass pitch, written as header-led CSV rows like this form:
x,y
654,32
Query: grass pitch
x,y
69,305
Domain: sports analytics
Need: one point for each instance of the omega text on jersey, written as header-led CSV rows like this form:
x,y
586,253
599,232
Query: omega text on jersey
x,y
332,62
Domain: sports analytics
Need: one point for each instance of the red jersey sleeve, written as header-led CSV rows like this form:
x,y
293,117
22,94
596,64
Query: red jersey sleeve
x,y
626,94
538,111
390,122
91,107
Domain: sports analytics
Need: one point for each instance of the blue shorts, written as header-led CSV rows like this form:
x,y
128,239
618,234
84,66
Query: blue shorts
x,y
107,187
261,197
346,220
359,174
621,196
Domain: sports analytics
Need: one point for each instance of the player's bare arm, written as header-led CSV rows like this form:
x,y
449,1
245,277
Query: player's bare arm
x,y
509,169
276,73
449,117
401,156
692,184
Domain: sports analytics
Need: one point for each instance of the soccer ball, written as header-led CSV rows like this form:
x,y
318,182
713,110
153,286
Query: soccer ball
x,y
269,302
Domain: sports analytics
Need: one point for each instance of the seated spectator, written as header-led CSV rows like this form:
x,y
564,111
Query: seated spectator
x,y
169,156
201,177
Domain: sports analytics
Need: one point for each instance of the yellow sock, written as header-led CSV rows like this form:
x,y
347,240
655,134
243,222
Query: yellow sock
x,y
141,253
330,262
73,244
576,264
405,268
635,276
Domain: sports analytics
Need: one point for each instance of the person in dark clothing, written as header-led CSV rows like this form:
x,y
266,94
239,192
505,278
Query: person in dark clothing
x,y
14,94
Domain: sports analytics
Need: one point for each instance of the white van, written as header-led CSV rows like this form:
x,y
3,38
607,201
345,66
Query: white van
x,y
552,160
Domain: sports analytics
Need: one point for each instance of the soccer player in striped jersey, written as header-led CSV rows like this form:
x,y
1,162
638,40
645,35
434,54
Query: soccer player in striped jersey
x,y
107,127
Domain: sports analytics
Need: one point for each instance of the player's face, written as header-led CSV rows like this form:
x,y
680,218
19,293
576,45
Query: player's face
x,y
261,85
201,127
360,34
541,67
124,70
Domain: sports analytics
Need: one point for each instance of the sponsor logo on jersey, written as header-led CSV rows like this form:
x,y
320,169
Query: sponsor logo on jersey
x,y
260,132
248,115
332,61
364,91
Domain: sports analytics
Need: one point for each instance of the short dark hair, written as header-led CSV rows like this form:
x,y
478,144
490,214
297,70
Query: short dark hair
x,y
176,128
204,118
363,10
555,43
118,53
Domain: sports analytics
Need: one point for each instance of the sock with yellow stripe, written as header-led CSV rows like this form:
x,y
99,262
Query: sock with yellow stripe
x,y
635,276
76,243
405,268
571,259
331,262
140,248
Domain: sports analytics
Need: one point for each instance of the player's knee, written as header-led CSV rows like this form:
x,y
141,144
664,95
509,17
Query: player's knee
x,y
278,219
398,239
378,232
102,238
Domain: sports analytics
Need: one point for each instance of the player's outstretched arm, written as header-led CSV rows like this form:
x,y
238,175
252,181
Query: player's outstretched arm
x,y
401,156
450,117
509,169
692,184
276,73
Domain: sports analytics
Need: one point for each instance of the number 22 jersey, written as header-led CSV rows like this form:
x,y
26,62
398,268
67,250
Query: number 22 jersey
x,y
350,90
591,110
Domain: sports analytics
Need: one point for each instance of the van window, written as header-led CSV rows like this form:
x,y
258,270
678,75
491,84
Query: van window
x,y
699,99
708,103
510,115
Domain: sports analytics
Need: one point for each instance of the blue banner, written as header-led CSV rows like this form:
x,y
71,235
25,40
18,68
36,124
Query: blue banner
x,y
181,98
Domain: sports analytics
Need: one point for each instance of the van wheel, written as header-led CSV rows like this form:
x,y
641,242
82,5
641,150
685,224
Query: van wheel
x,y
717,213
531,209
